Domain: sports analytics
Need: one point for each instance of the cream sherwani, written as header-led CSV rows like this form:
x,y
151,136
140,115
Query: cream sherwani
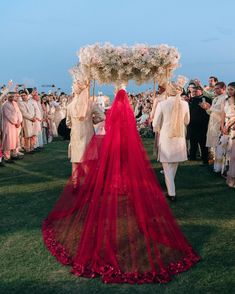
x,y
38,115
28,112
20,120
171,150
81,130
38,123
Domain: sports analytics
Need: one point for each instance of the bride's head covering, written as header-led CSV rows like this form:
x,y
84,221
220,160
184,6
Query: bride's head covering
x,y
119,86
81,99
175,89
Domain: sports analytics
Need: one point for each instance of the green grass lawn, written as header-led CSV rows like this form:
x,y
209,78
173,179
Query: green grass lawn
x,y
29,189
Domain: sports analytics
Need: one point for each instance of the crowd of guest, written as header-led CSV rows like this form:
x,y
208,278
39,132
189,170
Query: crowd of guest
x,y
211,131
28,120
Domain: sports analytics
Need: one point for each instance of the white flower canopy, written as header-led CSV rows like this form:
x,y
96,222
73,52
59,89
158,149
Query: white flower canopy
x,y
109,64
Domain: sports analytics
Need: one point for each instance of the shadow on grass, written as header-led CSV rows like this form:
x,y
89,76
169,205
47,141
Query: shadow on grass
x,y
36,172
26,210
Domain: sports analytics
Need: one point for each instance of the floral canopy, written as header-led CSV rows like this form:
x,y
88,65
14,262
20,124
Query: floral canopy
x,y
109,64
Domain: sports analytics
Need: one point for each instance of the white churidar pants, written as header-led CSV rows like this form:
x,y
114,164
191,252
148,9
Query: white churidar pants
x,y
170,169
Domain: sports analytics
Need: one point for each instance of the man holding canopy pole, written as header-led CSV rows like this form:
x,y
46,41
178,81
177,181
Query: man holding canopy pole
x,y
82,113
171,117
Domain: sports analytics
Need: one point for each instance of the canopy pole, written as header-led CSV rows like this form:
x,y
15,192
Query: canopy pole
x,y
154,89
93,90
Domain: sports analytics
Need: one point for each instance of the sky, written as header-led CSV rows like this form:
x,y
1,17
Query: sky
x,y
40,38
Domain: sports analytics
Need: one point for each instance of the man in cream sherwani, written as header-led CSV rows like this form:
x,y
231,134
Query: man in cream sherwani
x,y
39,118
82,113
170,120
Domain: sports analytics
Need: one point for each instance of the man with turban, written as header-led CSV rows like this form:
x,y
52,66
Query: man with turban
x,y
170,119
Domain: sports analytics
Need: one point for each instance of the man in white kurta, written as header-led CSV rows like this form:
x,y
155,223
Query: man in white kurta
x,y
10,125
39,118
18,154
172,150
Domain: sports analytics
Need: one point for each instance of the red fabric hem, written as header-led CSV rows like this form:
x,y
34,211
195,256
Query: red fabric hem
x,y
110,274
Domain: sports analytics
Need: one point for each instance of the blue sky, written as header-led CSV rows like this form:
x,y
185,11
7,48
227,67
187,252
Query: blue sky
x,y
39,38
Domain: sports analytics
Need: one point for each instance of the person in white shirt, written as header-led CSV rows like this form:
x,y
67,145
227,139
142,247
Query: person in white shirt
x,y
100,101
39,118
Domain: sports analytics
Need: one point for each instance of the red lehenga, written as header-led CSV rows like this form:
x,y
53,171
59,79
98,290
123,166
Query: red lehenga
x,y
117,224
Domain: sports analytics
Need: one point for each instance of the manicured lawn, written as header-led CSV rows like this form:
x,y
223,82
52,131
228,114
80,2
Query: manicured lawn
x,y
29,188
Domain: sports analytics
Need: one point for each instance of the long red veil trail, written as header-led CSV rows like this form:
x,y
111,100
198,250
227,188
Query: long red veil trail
x,y
117,225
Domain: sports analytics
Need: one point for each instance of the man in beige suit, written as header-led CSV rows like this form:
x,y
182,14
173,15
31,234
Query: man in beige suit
x,y
29,118
170,120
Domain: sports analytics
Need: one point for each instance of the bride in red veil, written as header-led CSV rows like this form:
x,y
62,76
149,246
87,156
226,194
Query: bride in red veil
x,y
117,223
